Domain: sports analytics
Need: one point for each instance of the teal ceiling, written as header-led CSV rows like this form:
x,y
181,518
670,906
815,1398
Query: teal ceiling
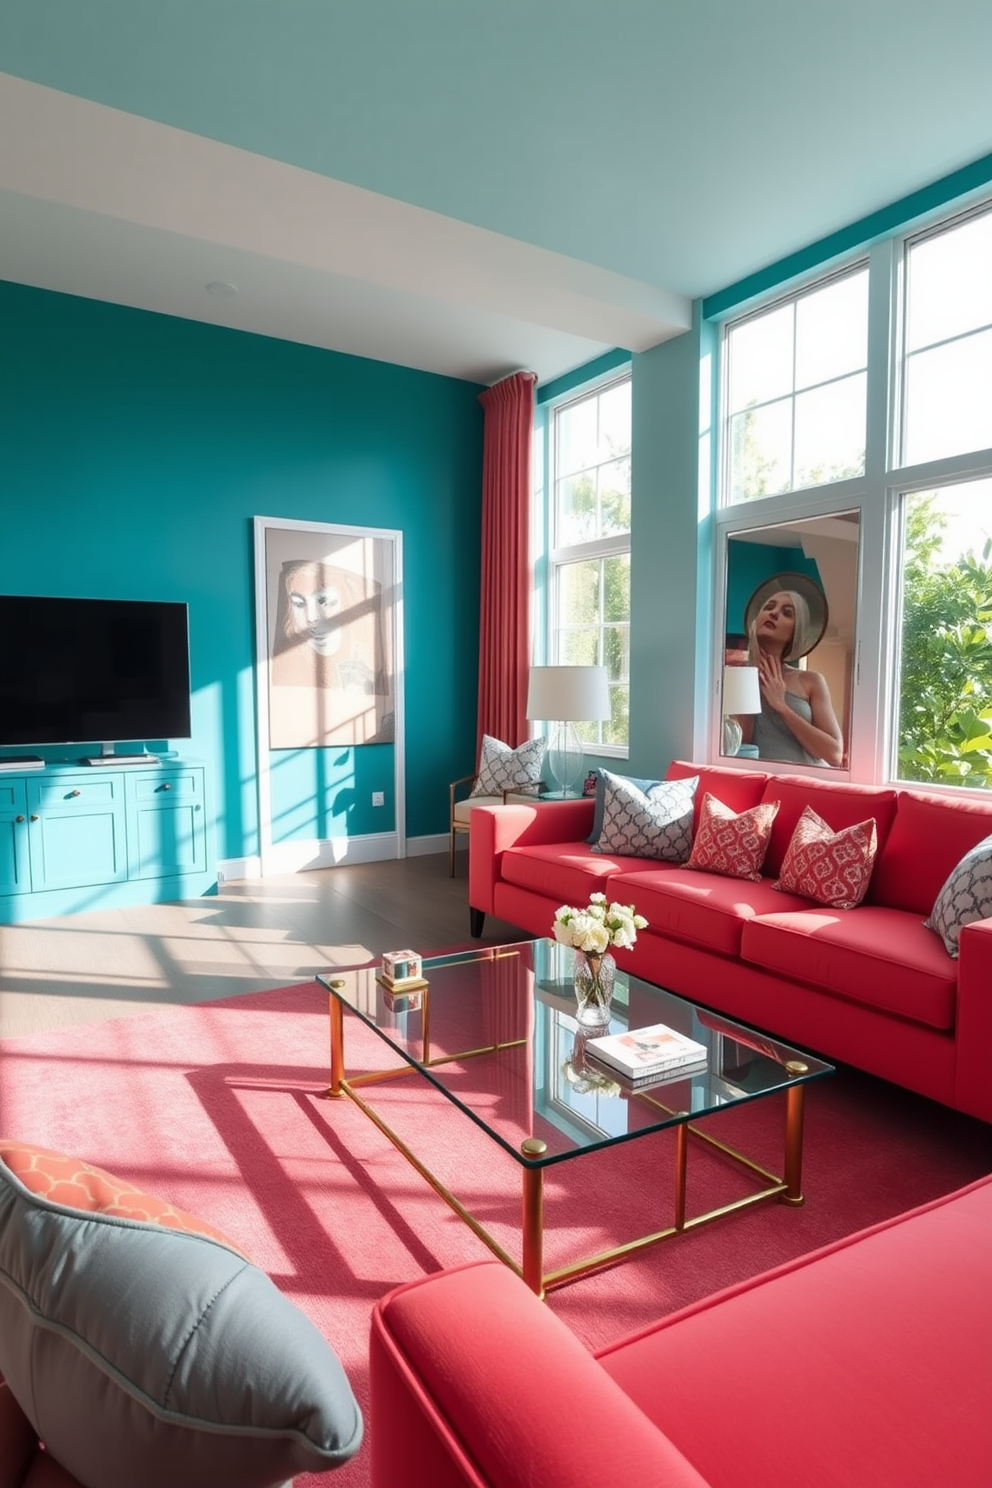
x,y
684,143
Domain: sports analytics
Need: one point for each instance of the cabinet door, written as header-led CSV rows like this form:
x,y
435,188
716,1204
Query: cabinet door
x,y
15,872
167,831
77,831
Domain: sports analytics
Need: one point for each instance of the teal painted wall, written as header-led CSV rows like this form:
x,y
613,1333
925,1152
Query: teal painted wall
x,y
135,449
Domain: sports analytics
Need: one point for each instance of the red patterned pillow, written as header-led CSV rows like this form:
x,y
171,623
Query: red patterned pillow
x,y
834,868
732,842
79,1185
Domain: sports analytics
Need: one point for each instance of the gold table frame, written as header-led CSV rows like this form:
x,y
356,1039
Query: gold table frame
x,y
786,1188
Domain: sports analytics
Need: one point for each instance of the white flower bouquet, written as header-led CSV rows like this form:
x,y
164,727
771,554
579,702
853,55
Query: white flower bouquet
x,y
598,927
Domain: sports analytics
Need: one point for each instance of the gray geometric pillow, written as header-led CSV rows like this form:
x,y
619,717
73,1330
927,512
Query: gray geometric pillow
x,y
652,824
966,896
153,1356
502,768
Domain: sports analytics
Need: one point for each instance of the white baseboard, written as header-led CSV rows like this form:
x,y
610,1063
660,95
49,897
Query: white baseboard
x,y
422,847
299,857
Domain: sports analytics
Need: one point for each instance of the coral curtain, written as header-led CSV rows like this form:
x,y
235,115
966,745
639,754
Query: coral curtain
x,y
504,622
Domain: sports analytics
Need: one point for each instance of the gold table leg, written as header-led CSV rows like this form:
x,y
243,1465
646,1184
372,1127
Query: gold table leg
x,y
336,1010
795,1101
681,1156
533,1217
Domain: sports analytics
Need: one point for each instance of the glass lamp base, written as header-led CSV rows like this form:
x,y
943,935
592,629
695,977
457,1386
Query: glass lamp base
x,y
564,760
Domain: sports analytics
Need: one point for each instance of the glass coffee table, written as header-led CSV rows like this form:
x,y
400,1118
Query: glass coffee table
x,y
494,1032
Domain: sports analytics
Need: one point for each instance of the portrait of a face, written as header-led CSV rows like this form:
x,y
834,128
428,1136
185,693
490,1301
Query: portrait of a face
x,y
330,677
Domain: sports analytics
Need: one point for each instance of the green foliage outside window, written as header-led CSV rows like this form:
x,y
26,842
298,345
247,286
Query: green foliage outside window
x,y
945,715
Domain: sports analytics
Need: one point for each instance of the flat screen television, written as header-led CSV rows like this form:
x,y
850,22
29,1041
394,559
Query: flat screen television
x,y
80,671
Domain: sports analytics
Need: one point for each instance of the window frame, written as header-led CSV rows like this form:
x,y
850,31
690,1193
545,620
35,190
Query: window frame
x,y
878,494
560,555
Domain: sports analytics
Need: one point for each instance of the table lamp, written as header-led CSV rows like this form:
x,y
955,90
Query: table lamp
x,y
562,696
741,694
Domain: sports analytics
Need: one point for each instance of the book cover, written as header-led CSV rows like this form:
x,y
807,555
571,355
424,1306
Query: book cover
x,y
646,1051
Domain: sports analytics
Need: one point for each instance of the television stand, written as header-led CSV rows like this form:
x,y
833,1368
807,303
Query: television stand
x,y
113,760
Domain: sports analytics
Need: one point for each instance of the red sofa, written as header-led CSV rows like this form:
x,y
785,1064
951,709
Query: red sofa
x,y
867,1362
871,987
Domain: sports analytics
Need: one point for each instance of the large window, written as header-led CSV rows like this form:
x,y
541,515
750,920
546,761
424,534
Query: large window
x,y
796,383
828,413
947,381
589,588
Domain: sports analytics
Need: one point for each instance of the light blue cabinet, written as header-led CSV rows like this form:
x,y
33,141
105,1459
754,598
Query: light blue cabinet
x,y
73,838
76,831
15,871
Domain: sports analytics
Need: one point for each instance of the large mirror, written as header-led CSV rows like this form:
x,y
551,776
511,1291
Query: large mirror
x,y
791,609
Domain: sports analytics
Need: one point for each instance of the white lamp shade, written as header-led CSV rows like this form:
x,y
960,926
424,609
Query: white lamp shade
x,y
741,690
577,694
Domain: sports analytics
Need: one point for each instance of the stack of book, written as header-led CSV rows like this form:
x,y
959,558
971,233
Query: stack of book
x,y
643,1056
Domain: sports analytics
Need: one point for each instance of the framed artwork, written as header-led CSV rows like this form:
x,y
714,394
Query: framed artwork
x,y
812,565
327,619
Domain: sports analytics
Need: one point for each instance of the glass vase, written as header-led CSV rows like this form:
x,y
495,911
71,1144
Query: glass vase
x,y
593,977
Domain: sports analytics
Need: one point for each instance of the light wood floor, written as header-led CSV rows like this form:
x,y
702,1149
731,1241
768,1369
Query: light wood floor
x,y
249,937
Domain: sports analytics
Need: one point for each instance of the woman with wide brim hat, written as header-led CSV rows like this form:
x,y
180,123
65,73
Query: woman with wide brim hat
x,y
785,619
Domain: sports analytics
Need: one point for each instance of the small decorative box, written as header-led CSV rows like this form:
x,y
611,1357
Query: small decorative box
x,y
402,966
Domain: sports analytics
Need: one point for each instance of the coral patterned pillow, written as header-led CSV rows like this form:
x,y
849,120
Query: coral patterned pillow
x,y
80,1185
732,842
834,868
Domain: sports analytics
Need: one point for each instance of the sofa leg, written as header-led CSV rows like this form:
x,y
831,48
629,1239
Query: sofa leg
x,y
476,920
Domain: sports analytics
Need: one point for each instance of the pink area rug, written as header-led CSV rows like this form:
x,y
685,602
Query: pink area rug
x,y
220,1107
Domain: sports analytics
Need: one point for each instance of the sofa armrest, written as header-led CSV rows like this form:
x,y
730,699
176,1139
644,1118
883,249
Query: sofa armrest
x,y
496,828
475,1381
973,1026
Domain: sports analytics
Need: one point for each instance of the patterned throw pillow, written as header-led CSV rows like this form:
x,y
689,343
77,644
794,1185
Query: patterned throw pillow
x,y
965,897
834,868
732,842
502,768
144,1350
647,824
80,1185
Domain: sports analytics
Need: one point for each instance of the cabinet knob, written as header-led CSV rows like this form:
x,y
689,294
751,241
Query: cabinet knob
x,y
166,785
75,793
18,818
34,816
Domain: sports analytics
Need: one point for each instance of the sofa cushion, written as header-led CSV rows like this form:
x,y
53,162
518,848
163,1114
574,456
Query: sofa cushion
x,y
834,868
732,842
835,802
704,909
890,1387
884,958
965,897
153,1355
501,768
929,836
657,823
567,872
738,789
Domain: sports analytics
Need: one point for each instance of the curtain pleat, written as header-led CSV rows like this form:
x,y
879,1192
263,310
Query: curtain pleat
x,y
504,621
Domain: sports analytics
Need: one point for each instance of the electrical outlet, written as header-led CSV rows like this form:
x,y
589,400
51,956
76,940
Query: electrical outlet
x,y
378,798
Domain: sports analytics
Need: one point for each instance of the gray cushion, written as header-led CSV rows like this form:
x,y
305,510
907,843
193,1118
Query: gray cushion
x,y
597,815
153,1356
966,896
648,824
502,768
